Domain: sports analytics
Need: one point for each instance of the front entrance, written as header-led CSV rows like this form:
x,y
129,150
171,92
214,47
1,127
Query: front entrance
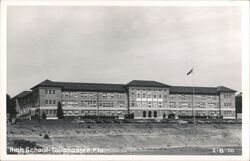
x,y
149,114
155,113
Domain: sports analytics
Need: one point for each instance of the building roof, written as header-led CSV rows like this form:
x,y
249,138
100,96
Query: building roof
x,y
22,94
74,86
225,89
199,90
83,86
144,83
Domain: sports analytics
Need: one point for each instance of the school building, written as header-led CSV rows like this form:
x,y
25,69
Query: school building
x,y
145,99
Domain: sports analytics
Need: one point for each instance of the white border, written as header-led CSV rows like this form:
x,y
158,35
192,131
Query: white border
x,y
245,77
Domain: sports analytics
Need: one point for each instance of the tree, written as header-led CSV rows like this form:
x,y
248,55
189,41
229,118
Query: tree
x,y
59,111
238,103
44,115
10,106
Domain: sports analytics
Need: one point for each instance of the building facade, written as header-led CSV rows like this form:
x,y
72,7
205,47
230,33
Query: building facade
x,y
145,99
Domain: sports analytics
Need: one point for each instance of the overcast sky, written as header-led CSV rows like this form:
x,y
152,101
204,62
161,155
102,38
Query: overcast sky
x,y
120,44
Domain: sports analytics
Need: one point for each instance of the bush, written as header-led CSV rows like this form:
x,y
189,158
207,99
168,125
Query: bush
x,y
46,136
44,115
129,116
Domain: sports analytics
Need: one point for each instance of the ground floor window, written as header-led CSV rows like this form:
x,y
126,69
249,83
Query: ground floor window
x,y
144,113
149,113
155,113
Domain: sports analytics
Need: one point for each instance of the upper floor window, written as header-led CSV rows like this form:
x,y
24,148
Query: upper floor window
x,y
49,91
54,91
133,103
46,91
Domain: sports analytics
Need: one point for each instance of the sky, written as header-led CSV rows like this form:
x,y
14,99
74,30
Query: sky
x,y
117,44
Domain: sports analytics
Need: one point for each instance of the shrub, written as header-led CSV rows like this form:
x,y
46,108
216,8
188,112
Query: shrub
x,y
46,136
44,115
59,111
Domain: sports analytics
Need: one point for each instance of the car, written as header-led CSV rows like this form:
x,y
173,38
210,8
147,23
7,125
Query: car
x,y
182,122
108,121
99,121
89,121
78,121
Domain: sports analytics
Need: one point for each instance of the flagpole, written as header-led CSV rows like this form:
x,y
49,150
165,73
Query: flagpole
x,y
193,97
193,100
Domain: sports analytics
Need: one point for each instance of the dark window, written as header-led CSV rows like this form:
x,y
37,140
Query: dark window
x,y
46,91
46,101
149,113
50,101
54,102
49,91
144,113
54,91
155,113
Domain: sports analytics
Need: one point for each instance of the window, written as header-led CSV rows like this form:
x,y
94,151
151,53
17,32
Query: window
x,y
155,113
149,95
133,103
155,96
138,104
54,91
46,91
144,113
149,104
160,104
138,95
143,95
46,101
132,93
149,113
121,103
54,102
49,91
159,96
50,101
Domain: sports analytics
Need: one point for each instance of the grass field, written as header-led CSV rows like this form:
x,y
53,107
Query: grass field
x,y
125,138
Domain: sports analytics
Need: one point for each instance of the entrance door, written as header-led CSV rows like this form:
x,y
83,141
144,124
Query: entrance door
x,y
155,113
149,113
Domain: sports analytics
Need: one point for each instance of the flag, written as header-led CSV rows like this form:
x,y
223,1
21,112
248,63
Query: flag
x,y
191,71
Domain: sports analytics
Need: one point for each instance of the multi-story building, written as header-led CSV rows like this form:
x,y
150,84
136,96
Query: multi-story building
x,y
145,99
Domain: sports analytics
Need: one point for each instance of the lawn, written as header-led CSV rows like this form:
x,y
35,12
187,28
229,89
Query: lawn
x,y
125,138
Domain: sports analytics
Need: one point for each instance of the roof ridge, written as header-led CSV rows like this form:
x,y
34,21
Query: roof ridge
x,y
91,83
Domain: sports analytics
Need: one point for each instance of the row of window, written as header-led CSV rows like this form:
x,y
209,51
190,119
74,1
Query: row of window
x,y
50,112
50,102
227,95
196,105
50,91
91,95
148,104
150,96
227,104
203,97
